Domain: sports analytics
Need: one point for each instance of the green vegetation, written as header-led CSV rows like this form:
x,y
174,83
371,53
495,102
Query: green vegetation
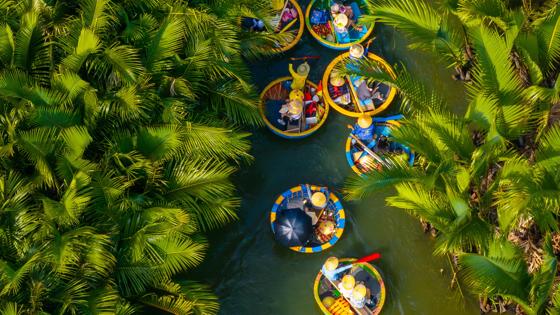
x,y
486,183
118,137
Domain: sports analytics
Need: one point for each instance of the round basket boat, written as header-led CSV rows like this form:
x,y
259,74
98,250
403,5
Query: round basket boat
x,y
275,95
361,162
286,23
319,22
362,272
345,98
295,198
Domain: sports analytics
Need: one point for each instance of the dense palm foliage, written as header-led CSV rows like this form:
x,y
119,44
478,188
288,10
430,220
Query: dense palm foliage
x,y
487,183
114,156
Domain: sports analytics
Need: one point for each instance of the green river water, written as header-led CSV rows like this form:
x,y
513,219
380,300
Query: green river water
x,y
254,275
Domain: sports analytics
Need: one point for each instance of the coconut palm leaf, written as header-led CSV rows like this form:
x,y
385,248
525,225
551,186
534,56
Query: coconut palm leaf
x,y
88,43
548,38
183,298
164,43
424,26
12,276
238,103
7,45
359,187
117,63
494,72
502,271
101,301
489,12
96,14
30,51
416,97
548,153
542,283
10,308
219,143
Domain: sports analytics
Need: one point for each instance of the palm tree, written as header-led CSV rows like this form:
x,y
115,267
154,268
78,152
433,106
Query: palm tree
x,y
490,175
502,271
119,133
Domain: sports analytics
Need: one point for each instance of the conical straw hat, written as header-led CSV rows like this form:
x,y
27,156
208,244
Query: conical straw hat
x,y
319,200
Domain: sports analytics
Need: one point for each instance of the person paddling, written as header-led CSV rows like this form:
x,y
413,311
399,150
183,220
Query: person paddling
x,y
299,76
330,269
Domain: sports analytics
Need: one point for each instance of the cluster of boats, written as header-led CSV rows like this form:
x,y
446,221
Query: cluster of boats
x,y
310,218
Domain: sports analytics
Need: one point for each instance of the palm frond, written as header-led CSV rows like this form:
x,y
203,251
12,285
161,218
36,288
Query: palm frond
x,y
501,272
164,43
426,28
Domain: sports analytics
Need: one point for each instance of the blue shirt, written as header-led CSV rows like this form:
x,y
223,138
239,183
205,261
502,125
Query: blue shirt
x,y
334,274
364,134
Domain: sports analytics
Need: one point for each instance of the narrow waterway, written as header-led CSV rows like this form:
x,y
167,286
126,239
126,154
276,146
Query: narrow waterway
x,y
254,275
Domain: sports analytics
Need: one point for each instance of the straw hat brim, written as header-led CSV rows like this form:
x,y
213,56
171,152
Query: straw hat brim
x,y
341,20
337,81
364,123
303,69
357,51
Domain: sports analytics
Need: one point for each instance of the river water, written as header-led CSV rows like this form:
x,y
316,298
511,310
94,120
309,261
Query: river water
x,y
254,275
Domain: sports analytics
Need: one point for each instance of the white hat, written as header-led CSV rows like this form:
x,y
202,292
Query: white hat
x,y
357,51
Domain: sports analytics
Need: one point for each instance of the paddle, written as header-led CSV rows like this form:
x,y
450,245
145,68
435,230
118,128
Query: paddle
x,y
368,258
305,57
368,150
354,94
364,259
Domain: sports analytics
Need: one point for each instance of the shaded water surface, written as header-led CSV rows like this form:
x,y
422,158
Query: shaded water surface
x,y
254,275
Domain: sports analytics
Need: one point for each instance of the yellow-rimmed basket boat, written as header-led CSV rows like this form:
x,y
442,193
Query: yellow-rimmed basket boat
x,y
294,198
275,94
322,29
295,26
363,273
353,106
364,163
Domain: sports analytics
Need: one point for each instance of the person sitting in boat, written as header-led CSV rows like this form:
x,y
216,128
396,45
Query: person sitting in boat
x,y
329,269
311,110
252,24
296,95
346,10
337,89
299,76
383,145
325,231
290,113
364,129
315,206
377,95
346,286
364,93
340,23
359,296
